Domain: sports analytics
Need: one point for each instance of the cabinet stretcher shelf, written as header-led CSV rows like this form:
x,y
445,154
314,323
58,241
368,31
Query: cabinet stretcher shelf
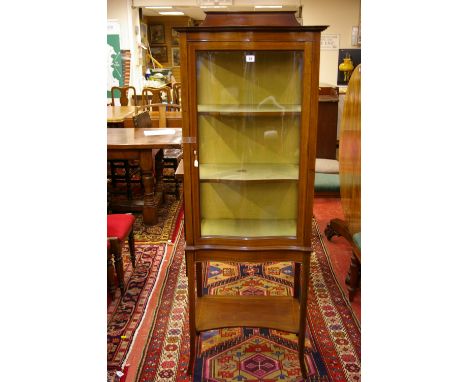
x,y
249,227
249,172
242,110
280,313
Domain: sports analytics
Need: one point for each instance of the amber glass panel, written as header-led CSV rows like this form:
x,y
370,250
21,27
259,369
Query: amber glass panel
x,y
249,113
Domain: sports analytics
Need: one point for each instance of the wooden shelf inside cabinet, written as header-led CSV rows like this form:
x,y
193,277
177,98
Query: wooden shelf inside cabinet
x,y
249,227
214,312
246,110
249,172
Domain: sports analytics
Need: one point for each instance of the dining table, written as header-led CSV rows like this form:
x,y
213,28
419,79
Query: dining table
x,y
137,144
170,119
122,116
117,114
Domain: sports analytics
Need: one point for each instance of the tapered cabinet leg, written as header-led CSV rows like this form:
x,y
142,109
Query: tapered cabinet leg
x,y
305,271
199,266
190,264
297,280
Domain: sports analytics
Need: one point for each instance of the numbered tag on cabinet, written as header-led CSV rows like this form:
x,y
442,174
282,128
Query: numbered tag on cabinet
x,y
250,58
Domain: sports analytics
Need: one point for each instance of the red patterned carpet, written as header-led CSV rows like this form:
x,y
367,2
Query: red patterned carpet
x,y
333,347
126,313
148,327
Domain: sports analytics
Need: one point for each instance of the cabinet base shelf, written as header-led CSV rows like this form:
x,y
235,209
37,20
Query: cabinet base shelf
x,y
249,227
214,312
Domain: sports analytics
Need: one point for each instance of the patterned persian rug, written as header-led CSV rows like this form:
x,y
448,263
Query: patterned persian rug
x,y
250,354
125,313
169,217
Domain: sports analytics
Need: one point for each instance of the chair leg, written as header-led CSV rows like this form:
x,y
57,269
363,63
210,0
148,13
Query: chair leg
x,y
131,244
110,274
117,251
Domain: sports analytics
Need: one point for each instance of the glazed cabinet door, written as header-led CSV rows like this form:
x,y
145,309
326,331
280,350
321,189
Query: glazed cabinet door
x,y
249,157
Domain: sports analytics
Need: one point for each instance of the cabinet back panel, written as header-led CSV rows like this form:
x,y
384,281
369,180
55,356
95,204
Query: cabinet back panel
x,y
249,140
248,201
226,78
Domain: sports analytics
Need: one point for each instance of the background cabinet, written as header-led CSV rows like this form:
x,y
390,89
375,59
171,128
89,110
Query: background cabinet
x,y
327,122
249,127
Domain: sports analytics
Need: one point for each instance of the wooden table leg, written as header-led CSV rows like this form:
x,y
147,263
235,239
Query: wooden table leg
x,y
149,203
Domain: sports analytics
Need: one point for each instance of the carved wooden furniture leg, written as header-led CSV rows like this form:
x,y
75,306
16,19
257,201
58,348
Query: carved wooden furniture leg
x,y
354,277
337,227
199,266
149,204
297,280
110,273
303,309
117,251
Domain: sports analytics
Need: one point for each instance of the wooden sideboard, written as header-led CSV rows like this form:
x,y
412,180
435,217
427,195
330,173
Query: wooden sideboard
x,y
327,122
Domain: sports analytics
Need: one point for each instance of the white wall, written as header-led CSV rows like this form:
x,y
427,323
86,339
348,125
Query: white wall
x,y
122,11
341,16
119,10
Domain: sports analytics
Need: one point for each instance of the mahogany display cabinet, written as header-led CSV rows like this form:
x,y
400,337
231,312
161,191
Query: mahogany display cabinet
x,y
249,140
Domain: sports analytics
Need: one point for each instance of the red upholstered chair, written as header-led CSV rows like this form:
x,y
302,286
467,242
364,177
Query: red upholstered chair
x,y
119,228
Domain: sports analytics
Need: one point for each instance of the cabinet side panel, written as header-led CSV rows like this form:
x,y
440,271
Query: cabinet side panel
x,y
186,134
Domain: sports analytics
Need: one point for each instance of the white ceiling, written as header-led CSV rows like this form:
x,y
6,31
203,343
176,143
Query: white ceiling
x,y
197,13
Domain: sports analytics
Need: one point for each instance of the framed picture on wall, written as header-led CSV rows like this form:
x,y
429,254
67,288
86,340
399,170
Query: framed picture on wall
x,y
175,57
175,38
159,53
156,34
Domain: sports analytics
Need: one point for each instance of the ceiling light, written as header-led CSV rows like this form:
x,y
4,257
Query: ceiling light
x,y
162,7
268,6
174,13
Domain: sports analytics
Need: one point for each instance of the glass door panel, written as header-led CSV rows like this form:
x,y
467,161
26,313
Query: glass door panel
x,y
249,115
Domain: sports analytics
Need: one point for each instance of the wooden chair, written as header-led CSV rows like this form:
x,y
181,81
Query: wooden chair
x,y
177,93
152,95
350,180
168,162
143,121
124,94
124,171
119,228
